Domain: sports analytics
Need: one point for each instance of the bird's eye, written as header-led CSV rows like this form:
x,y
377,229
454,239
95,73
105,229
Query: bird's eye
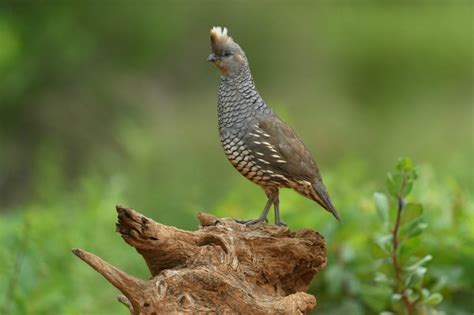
x,y
227,54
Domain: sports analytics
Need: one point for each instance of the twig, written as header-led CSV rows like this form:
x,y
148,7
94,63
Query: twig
x,y
400,286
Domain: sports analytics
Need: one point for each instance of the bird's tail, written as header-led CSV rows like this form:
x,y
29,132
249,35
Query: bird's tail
x,y
322,198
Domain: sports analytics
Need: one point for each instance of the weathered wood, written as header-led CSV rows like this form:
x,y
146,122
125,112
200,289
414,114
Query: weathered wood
x,y
223,267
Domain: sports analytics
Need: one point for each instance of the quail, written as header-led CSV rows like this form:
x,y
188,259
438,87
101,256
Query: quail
x,y
256,141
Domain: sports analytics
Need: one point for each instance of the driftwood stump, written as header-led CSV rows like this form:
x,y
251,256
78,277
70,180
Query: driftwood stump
x,y
224,267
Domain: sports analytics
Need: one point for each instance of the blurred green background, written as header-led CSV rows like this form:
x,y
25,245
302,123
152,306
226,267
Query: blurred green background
x,y
112,102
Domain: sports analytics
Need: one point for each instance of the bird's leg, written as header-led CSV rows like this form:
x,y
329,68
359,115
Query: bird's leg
x,y
262,217
276,207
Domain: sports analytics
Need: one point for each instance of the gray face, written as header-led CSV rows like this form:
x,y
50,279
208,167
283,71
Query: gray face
x,y
227,56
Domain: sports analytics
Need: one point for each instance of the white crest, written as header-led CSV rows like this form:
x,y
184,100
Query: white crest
x,y
219,34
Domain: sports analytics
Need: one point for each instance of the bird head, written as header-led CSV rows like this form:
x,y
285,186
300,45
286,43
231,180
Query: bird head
x,y
226,54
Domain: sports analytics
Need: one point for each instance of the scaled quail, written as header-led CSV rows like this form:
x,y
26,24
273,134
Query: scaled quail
x,y
256,141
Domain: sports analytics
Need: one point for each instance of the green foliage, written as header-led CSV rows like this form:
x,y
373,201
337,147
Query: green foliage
x,y
410,294
382,207
400,184
360,277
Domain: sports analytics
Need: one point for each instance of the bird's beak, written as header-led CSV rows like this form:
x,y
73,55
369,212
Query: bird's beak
x,y
212,58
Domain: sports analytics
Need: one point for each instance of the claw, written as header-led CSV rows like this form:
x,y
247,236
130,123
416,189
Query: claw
x,y
279,223
256,221
252,222
240,221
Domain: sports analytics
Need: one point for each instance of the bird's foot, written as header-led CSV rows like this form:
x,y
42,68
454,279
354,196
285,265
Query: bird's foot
x,y
280,223
252,222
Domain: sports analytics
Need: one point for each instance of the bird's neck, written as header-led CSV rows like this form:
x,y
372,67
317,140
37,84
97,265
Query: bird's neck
x,y
238,98
240,83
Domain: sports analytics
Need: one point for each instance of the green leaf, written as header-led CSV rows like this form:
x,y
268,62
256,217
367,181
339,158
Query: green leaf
x,y
379,251
425,293
405,165
408,187
406,174
380,277
384,242
411,280
433,299
412,295
419,263
414,228
396,297
411,212
416,278
393,184
381,205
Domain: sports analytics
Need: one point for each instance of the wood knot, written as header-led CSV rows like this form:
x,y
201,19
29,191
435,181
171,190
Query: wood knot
x,y
207,219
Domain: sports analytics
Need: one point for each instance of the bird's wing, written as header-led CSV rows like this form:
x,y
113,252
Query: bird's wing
x,y
292,159
280,148
284,150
